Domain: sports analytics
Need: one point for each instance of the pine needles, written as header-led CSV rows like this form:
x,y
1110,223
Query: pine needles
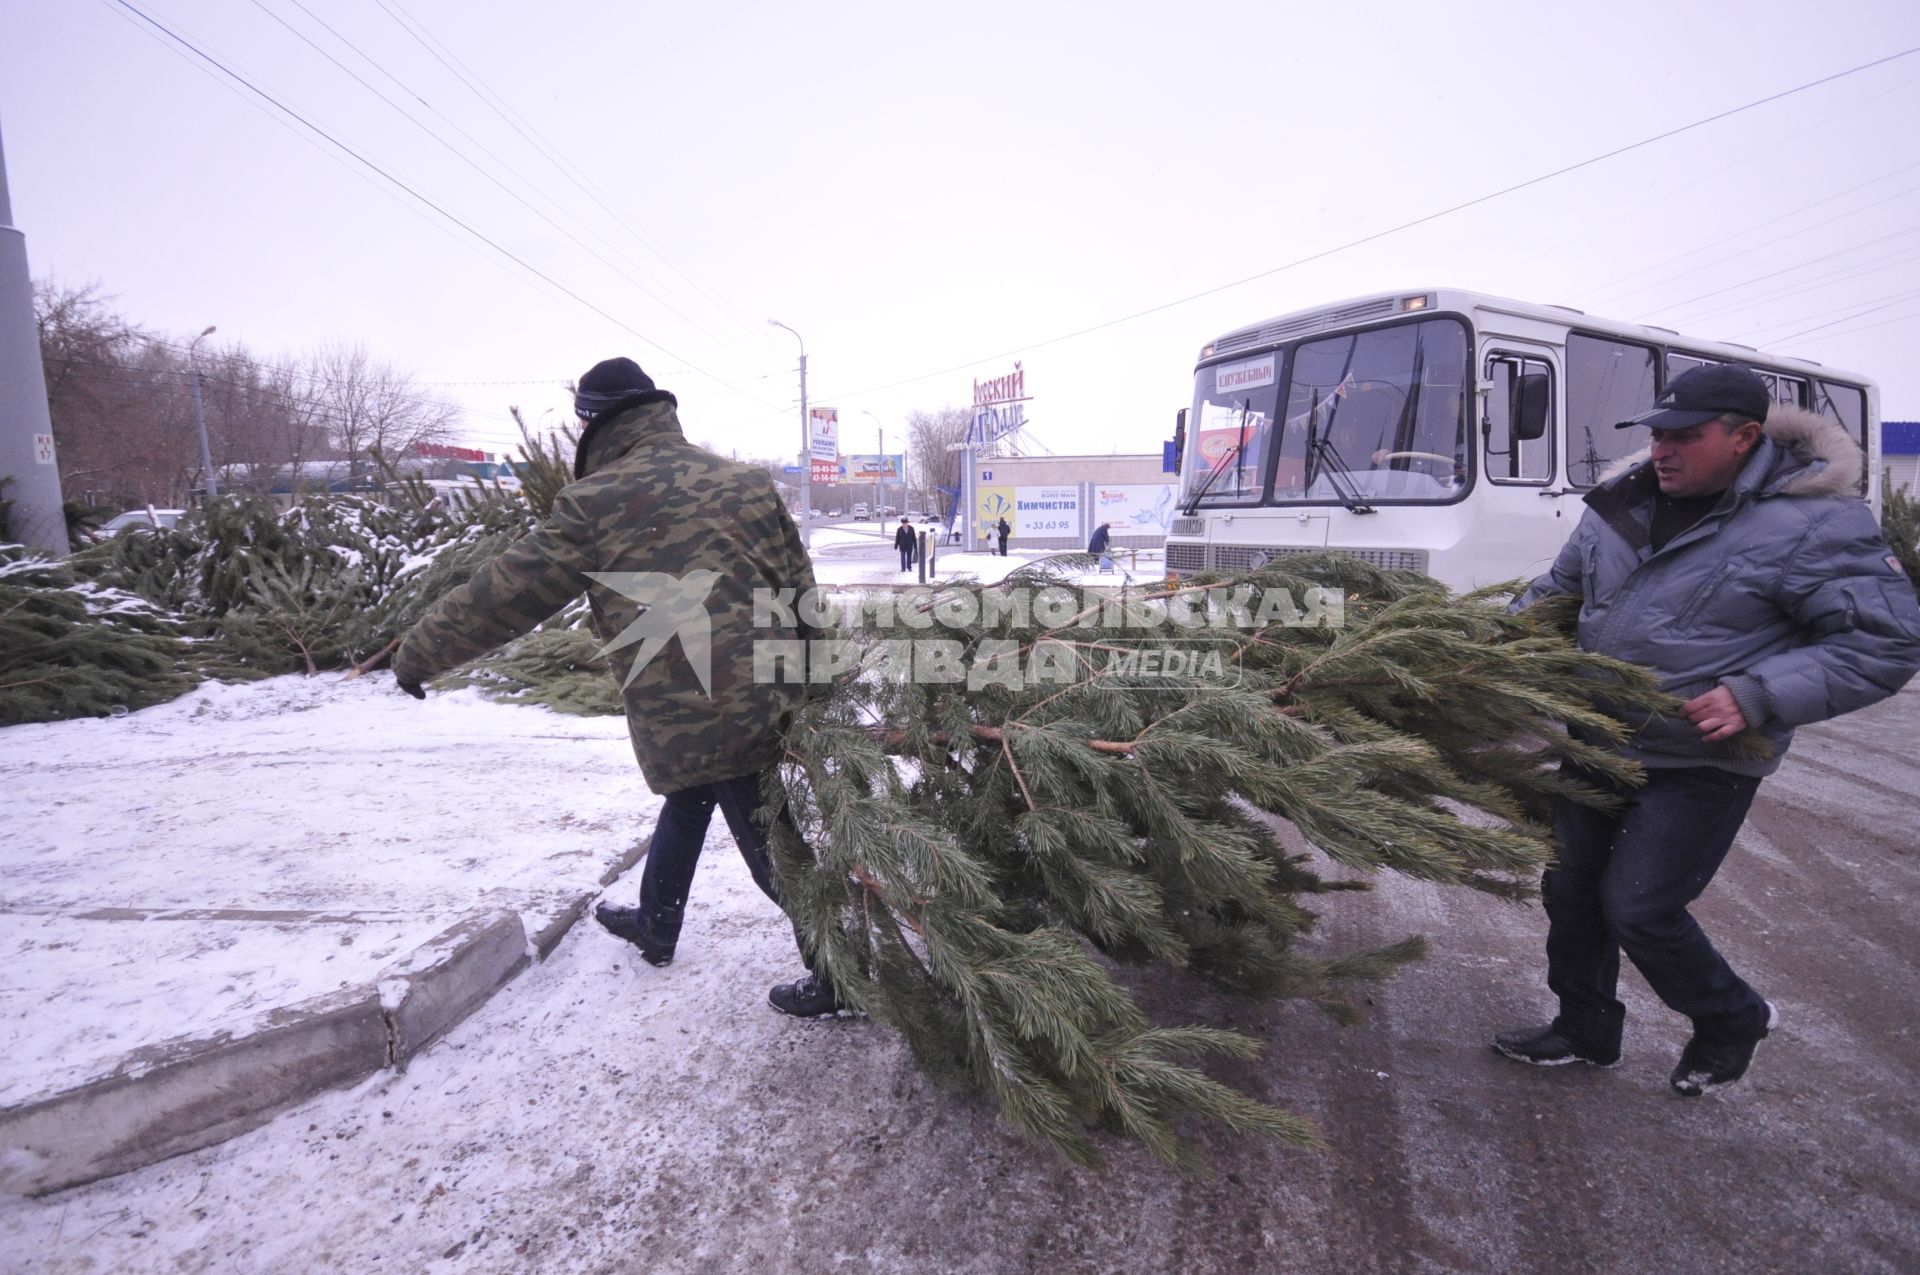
x,y
1101,787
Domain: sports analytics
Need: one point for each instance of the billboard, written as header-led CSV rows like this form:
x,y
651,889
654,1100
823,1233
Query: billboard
x,y
823,434
875,468
1046,511
1134,509
992,502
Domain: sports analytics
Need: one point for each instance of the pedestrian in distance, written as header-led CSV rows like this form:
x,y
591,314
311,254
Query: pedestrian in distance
x,y
1003,530
1097,545
668,542
904,541
1736,559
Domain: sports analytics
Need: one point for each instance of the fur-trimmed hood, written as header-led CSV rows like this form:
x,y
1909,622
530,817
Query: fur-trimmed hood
x,y
1811,456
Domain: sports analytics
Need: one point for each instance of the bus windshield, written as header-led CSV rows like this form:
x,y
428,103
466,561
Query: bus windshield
x,y
1377,415
1232,423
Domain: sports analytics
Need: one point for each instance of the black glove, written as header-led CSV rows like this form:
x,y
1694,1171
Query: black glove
x,y
412,688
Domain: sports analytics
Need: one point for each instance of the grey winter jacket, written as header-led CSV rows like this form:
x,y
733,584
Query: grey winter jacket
x,y
1785,594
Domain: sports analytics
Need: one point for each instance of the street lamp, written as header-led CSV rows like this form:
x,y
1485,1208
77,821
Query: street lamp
x,y
806,445
200,413
880,472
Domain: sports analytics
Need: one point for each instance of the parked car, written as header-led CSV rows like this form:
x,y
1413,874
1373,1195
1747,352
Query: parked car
x,y
146,519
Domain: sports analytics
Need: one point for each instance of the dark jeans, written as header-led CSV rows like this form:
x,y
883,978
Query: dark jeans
x,y
674,852
1623,882
906,559
1003,546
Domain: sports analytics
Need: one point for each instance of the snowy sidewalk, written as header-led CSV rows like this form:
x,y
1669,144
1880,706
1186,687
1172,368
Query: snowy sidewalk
x,y
191,873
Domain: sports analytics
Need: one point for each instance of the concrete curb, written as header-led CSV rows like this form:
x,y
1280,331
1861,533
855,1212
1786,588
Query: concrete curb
x,y
193,1091
189,1093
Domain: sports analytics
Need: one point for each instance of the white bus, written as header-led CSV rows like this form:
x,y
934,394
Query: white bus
x,y
1440,431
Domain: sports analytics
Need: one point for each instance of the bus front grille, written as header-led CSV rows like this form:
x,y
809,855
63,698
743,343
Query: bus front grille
x,y
1186,558
1247,557
1189,559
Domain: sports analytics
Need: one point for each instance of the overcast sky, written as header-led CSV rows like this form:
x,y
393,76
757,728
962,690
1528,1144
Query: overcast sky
x,y
928,193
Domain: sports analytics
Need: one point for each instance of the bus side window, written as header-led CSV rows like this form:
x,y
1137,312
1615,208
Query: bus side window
x,y
1847,406
1607,381
1517,427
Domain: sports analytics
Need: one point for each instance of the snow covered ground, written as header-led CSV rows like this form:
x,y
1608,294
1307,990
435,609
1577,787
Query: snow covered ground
x,y
197,865
201,864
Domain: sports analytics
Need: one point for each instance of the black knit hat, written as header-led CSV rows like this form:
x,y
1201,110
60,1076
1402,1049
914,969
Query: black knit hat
x,y
608,384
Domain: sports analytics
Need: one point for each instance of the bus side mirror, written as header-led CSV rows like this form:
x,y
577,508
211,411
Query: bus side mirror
x,y
1530,406
1179,439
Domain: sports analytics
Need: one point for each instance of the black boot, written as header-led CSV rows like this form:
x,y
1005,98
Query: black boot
x,y
811,997
651,935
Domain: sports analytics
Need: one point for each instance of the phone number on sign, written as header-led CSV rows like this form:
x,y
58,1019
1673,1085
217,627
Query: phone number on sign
x,y
1056,524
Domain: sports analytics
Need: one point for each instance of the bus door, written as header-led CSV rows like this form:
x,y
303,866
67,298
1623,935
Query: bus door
x,y
1521,513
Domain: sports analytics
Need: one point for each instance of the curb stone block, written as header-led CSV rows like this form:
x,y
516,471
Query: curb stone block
x,y
549,936
448,977
624,864
190,1093
185,1094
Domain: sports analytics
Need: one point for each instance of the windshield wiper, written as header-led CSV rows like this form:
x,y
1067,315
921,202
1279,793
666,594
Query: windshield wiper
x,y
1320,448
1340,477
1233,453
1220,467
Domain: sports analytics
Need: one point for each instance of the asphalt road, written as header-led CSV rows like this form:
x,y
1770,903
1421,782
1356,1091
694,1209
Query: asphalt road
x,y
599,1116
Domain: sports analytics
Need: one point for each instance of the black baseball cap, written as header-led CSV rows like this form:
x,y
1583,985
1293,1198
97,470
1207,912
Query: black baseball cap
x,y
1703,393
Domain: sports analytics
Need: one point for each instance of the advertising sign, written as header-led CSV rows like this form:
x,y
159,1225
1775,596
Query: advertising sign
x,y
823,434
1046,511
1138,509
991,504
875,468
990,424
825,472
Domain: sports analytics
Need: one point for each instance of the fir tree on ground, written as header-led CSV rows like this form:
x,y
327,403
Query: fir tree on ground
x,y
986,853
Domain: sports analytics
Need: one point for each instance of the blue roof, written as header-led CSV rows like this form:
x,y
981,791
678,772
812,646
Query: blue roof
x,y
1900,438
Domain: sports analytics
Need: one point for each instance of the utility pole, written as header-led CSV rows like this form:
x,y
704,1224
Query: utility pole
x,y
806,445
880,472
200,414
38,517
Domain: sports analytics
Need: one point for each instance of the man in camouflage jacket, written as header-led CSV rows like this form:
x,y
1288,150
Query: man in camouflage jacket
x,y
674,541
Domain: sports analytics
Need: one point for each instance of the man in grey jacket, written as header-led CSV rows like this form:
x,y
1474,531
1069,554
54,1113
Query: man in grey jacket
x,y
1739,563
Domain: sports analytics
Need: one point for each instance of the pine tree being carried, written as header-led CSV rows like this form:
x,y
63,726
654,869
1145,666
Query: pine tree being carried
x,y
1096,787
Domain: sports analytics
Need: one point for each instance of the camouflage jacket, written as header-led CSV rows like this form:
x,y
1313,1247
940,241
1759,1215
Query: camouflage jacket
x,y
678,540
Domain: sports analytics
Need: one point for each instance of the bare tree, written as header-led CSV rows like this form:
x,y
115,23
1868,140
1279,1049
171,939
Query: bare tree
x,y
366,404
932,462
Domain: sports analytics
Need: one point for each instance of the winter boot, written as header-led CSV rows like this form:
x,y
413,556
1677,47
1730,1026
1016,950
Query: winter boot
x,y
1546,1047
811,997
1707,1065
654,938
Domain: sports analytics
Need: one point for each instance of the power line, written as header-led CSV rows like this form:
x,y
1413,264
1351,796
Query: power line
x,y
1772,327
1872,265
1872,309
1674,192
1397,229
1772,274
1867,327
695,324
1720,261
1723,238
494,102
443,212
